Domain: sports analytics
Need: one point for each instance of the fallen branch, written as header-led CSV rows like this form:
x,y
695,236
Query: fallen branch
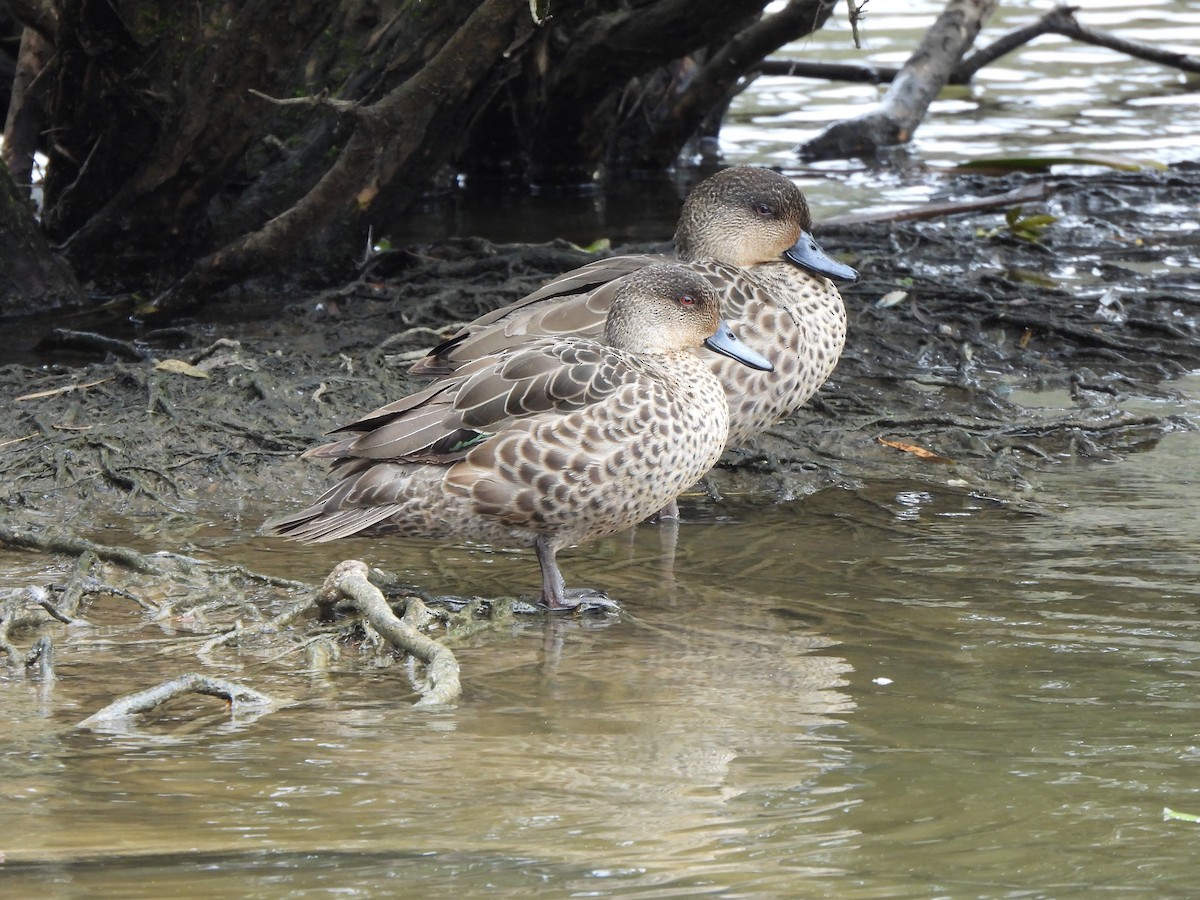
x,y
857,73
1024,194
938,61
1061,20
194,683
91,342
914,88
349,580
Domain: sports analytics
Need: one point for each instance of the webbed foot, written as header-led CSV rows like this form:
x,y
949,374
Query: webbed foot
x,y
583,600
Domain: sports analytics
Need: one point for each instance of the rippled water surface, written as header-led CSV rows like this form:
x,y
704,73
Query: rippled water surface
x,y
1053,97
902,691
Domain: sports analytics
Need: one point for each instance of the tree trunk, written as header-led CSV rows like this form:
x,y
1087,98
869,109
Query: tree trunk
x,y
197,146
662,112
31,276
893,122
625,85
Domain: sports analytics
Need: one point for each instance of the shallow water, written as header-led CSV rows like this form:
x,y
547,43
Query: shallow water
x,y
900,691
1051,98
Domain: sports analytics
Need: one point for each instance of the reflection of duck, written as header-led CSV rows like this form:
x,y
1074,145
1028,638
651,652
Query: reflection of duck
x,y
552,443
746,230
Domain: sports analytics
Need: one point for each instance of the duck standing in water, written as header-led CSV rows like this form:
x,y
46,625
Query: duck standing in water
x,y
548,444
747,231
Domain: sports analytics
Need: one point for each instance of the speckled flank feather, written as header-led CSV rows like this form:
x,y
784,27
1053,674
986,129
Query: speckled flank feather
x,y
793,317
553,443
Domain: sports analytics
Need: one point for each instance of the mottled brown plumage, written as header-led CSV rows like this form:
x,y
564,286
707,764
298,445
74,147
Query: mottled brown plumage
x,y
746,230
548,444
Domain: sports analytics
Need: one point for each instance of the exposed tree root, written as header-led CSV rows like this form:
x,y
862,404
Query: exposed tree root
x,y
349,580
193,683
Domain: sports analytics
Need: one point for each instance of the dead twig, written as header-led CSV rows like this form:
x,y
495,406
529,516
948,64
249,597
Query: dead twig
x,y
1025,194
314,101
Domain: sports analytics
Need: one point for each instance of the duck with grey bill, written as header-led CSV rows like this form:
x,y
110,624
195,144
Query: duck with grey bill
x,y
548,444
748,231
807,254
729,344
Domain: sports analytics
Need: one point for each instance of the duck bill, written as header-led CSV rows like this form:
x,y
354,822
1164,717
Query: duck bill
x,y
807,254
729,344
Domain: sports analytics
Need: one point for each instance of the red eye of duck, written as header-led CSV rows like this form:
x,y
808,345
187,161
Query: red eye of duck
x,y
687,300
765,210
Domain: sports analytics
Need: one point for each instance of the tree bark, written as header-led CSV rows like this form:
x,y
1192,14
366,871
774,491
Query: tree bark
x,y
403,130
31,276
559,120
916,86
672,105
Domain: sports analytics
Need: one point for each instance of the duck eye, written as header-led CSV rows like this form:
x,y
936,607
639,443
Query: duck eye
x,y
765,210
687,300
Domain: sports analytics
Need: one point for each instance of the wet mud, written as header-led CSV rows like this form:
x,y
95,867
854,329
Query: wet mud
x,y
953,322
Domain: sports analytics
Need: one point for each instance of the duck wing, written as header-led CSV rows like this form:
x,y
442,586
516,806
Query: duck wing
x,y
573,303
446,421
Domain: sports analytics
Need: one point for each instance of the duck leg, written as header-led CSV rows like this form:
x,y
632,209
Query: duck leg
x,y
555,596
669,513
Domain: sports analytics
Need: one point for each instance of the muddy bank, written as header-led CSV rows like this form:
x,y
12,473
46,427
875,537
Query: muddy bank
x,y
952,324
950,317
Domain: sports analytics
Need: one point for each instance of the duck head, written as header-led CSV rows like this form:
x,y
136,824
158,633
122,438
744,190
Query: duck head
x,y
667,308
746,216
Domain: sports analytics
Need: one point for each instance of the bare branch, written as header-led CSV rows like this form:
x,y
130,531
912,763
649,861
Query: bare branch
x,y
1061,20
322,100
927,71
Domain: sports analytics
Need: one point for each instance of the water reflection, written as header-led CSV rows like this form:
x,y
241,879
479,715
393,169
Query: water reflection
x,y
1054,97
897,691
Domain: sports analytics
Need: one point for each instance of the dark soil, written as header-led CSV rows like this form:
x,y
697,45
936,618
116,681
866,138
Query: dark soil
x,y
205,419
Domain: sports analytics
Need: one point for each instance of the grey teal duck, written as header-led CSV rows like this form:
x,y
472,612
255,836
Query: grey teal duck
x,y
745,229
548,444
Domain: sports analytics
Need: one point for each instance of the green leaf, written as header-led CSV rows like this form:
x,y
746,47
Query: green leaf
x,y
1169,813
1039,222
